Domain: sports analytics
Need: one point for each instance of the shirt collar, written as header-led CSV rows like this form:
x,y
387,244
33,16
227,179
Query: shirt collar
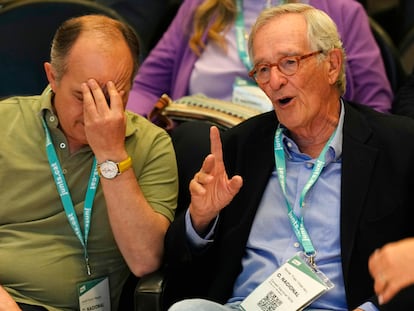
x,y
335,147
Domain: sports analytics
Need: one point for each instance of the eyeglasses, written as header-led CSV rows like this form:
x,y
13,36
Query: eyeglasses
x,y
287,65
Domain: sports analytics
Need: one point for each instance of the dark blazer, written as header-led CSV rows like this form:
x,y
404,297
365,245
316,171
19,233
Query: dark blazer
x,y
376,203
404,99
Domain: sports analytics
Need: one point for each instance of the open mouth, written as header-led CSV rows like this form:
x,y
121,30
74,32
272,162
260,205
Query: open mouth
x,y
285,101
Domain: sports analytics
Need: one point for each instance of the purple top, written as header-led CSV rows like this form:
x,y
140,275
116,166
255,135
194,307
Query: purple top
x,y
169,66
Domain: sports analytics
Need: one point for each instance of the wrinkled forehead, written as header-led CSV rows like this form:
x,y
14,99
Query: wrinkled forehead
x,y
282,35
102,59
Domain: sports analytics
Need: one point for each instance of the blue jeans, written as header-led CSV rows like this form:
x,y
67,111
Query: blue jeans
x,y
26,307
197,304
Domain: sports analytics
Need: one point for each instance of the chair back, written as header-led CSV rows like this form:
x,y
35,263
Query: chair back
x,y
390,55
406,49
27,28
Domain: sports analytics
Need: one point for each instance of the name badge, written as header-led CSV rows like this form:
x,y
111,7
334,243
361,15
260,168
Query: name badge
x,y
250,95
94,295
293,286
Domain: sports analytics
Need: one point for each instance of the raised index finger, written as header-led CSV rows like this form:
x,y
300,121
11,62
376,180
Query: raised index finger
x,y
215,144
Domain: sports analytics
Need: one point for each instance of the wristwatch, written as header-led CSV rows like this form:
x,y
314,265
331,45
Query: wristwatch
x,y
110,169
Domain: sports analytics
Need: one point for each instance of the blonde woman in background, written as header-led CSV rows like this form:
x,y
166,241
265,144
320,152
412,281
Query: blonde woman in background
x,y
204,51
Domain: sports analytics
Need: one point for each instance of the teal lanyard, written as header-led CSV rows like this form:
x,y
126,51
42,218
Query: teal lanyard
x,y
66,199
298,223
241,35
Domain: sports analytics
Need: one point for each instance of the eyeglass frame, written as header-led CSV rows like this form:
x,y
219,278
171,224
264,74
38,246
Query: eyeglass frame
x,y
253,72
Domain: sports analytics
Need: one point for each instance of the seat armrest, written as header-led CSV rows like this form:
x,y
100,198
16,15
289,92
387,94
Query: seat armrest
x,y
148,295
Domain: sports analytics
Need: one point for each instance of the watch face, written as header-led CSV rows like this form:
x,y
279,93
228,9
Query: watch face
x,y
108,169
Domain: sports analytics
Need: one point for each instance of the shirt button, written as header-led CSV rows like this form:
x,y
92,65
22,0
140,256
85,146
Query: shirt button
x,y
62,145
289,144
296,245
52,119
309,165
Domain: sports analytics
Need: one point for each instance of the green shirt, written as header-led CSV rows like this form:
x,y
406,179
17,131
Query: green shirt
x,y
41,259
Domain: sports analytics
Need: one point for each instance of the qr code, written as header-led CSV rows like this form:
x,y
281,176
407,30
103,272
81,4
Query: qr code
x,y
270,302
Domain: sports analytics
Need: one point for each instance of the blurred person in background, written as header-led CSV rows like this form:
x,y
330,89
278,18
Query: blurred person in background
x,y
204,51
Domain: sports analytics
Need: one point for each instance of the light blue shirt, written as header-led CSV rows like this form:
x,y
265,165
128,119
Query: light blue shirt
x,y
272,240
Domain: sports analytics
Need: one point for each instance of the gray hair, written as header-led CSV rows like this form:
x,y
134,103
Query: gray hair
x,y
322,32
102,26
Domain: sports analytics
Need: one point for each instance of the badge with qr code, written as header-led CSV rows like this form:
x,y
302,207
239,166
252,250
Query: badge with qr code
x,y
94,295
292,287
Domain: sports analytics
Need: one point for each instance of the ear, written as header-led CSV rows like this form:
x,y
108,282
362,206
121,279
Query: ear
x,y
335,65
50,75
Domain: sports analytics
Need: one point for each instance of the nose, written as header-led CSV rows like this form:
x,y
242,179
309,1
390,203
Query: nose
x,y
276,78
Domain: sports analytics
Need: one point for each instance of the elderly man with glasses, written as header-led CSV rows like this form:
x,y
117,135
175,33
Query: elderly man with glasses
x,y
286,210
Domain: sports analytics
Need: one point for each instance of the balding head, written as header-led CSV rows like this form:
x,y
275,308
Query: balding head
x,y
106,33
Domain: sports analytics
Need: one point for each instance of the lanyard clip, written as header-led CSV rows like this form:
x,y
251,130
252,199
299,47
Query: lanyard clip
x,y
311,259
88,267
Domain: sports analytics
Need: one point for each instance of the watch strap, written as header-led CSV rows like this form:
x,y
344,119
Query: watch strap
x,y
124,165
120,167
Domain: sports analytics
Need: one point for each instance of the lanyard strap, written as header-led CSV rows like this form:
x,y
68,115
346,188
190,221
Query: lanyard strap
x,y
298,223
66,199
241,35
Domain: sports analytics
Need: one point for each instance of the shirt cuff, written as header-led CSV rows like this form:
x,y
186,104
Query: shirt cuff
x,y
194,239
368,306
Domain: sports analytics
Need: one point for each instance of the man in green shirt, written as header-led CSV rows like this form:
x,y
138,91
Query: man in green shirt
x,y
88,189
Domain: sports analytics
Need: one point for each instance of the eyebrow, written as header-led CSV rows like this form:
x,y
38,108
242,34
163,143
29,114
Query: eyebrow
x,y
280,55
